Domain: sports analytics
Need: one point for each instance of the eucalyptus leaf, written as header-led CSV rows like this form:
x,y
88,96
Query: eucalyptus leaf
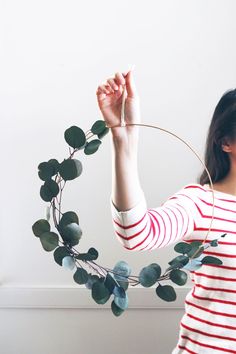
x,y
178,276
45,171
70,169
68,262
100,293
71,233
166,292
81,276
92,278
101,135
211,260
122,269
68,218
40,226
122,302
193,264
75,137
116,310
92,146
60,253
182,247
98,127
49,190
49,240
148,276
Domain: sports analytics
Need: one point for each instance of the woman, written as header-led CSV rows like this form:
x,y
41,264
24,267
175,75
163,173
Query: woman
x,y
209,322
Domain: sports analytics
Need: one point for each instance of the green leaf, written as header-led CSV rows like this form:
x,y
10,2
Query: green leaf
x,y
122,302
178,276
91,255
55,165
70,169
119,291
49,190
49,240
92,146
157,268
92,278
211,260
148,276
214,243
179,260
193,264
71,233
122,269
98,127
194,246
68,218
101,135
166,292
117,311
40,226
60,253
81,276
124,284
182,247
100,293
75,137
45,171
110,282
68,262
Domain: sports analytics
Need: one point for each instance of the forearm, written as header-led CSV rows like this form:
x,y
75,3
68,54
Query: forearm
x,y
126,189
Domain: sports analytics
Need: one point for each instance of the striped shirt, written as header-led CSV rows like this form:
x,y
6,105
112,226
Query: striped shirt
x,y
209,322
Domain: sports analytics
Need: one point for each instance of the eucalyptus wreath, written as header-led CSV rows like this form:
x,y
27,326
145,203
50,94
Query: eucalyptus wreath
x,y
102,281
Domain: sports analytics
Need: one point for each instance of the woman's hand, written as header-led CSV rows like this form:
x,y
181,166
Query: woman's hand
x,y
109,97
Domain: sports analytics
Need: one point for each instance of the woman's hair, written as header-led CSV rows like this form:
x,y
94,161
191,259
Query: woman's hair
x,y
222,127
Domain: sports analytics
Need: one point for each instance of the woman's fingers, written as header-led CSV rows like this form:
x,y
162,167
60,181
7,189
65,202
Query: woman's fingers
x,y
113,84
119,78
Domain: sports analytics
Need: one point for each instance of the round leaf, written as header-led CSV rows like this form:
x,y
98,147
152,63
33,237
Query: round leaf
x,y
71,233
75,137
178,276
81,276
166,292
68,262
100,293
117,311
92,278
211,260
122,269
40,226
60,253
98,127
182,247
122,302
102,134
148,276
70,169
45,171
92,146
68,218
49,240
49,190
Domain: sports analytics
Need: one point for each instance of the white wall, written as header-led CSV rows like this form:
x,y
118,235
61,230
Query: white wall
x,y
53,55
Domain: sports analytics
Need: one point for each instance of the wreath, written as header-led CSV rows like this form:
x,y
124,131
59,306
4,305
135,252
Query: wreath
x,y
102,281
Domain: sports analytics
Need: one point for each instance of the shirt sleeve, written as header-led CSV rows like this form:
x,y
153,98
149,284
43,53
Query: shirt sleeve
x,y
143,229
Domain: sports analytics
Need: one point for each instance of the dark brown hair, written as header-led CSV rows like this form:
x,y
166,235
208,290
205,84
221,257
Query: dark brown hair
x,y
222,127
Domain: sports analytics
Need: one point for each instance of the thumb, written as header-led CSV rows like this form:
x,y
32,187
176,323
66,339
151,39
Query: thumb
x,y
130,84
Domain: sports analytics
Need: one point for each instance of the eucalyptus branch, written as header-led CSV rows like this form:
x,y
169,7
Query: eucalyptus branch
x,y
105,282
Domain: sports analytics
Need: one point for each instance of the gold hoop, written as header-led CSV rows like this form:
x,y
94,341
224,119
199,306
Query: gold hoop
x,y
123,124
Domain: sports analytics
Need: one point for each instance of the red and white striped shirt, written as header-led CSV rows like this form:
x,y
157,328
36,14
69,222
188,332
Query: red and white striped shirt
x,y
209,322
